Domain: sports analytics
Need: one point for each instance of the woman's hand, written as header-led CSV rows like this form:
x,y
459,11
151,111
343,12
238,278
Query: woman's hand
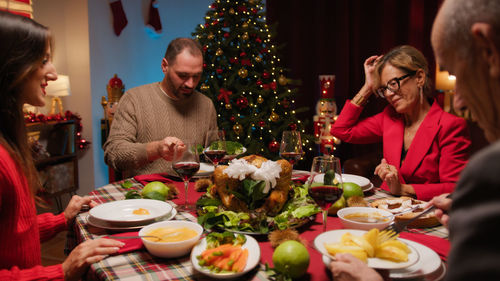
x,y
347,267
87,253
390,175
443,205
75,205
371,77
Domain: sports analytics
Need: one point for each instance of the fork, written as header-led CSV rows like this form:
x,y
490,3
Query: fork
x,y
393,230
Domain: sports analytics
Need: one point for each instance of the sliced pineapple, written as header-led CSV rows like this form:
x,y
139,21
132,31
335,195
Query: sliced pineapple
x,y
397,244
371,236
335,248
391,253
361,241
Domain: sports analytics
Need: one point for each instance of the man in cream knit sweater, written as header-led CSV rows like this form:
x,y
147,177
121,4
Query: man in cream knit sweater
x,y
152,119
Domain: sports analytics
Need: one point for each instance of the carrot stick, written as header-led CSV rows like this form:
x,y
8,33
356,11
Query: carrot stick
x,y
208,253
241,262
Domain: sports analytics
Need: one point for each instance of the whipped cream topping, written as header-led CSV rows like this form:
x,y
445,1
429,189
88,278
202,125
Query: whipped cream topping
x,y
268,172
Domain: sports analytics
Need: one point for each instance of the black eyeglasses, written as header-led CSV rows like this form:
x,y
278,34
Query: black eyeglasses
x,y
393,85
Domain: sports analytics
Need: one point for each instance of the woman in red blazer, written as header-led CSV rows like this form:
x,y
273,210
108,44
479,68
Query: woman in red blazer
x,y
424,148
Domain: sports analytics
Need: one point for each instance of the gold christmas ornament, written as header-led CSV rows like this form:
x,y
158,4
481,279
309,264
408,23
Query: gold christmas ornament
x,y
244,25
245,36
219,52
237,128
228,106
243,73
260,99
282,80
231,11
258,59
274,117
204,87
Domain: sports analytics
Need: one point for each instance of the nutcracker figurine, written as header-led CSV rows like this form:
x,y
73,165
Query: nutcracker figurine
x,y
326,113
115,90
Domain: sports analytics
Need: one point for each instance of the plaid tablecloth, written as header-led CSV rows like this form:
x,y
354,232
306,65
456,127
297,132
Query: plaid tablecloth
x,y
140,265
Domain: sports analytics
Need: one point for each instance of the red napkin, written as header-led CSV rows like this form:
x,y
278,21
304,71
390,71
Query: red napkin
x,y
131,244
439,245
145,179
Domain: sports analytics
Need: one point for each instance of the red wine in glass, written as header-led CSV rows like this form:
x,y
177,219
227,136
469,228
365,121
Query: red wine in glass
x,y
215,155
291,157
325,195
186,169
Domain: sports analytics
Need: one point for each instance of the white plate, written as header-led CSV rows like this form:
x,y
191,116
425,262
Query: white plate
x,y
105,225
120,213
333,236
206,169
253,258
429,264
359,180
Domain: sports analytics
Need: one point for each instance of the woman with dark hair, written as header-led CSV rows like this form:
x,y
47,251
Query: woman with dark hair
x,y
25,69
424,148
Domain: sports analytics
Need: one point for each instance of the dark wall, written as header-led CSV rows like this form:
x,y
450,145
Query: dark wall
x,y
336,36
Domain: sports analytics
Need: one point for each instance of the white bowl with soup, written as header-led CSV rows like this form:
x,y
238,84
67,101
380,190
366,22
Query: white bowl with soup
x,y
364,218
174,238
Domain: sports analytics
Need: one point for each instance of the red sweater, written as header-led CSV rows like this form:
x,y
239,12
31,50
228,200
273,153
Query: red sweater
x,y
21,229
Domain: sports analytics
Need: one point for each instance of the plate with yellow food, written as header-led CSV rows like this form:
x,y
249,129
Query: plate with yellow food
x,y
131,212
365,245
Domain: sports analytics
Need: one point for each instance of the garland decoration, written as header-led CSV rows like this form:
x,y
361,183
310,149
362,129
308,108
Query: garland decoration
x,y
81,143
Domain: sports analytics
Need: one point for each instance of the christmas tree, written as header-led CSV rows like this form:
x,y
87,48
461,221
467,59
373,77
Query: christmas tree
x,y
252,95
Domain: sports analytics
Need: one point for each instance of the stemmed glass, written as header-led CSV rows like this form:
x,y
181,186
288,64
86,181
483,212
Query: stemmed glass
x,y
186,163
215,146
325,183
291,146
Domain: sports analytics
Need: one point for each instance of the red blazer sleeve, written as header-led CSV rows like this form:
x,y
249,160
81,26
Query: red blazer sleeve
x,y
53,272
454,144
349,129
50,224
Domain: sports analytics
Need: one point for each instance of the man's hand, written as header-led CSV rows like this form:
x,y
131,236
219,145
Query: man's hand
x,y
164,149
347,267
87,253
443,205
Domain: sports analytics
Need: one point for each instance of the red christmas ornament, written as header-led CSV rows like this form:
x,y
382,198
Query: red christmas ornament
x,y
215,22
207,25
272,85
293,126
254,10
214,6
274,146
233,60
232,118
259,82
204,65
262,124
242,54
265,75
226,35
242,102
258,40
242,9
219,71
221,14
205,48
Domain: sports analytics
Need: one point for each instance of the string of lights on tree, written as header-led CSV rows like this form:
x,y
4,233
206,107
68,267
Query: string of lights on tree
x,y
82,143
253,97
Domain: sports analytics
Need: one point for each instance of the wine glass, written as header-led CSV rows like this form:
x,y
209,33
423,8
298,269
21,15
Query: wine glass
x,y
325,183
291,146
186,163
215,146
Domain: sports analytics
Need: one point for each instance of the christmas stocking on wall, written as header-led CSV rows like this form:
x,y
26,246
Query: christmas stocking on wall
x,y
153,24
119,17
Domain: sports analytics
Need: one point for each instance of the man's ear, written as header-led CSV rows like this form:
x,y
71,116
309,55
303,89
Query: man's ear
x,y
483,35
164,65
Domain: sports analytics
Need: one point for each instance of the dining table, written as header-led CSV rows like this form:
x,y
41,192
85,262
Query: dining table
x,y
139,264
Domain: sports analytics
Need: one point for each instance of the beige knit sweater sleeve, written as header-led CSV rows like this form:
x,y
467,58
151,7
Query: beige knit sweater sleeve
x,y
145,114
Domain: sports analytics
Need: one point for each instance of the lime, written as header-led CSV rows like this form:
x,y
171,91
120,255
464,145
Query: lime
x,y
155,190
352,189
339,204
291,258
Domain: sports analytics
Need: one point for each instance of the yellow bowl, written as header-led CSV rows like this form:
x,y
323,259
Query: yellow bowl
x,y
171,249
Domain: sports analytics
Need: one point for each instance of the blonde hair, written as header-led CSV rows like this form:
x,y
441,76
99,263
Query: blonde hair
x,y
408,59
